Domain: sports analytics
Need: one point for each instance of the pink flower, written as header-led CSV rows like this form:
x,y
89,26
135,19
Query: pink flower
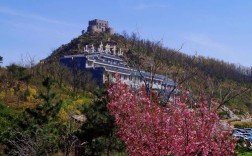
x,y
150,129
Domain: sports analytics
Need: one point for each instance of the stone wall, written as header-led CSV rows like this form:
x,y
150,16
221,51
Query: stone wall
x,y
99,26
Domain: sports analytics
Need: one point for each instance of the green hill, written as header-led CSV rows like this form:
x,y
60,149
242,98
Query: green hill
x,y
226,83
43,97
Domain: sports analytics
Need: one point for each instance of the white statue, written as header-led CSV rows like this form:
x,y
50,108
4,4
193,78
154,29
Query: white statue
x,y
114,50
92,48
107,48
100,49
86,49
120,52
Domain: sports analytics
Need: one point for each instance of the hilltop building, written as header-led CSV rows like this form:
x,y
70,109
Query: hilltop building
x,y
97,25
103,62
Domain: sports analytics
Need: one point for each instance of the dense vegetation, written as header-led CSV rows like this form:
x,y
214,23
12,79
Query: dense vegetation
x,y
219,80
37,102
37,106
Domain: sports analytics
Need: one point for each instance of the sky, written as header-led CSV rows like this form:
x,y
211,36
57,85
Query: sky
x,y
220,29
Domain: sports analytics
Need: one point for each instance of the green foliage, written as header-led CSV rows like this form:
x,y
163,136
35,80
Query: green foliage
x,y
37,127
245,154
30,94
6,118
99,130
244,151
45,112
223,114
71,106
44,140
243,125
15,71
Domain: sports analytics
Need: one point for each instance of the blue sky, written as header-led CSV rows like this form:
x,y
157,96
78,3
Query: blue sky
x,y
211,28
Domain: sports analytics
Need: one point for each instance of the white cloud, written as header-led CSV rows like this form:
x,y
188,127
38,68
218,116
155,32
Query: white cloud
x,y
30,16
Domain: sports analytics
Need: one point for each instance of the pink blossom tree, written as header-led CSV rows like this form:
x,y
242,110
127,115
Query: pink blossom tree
x,y
150,129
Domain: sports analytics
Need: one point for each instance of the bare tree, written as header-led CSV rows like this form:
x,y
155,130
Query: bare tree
x,y
154,58
23,145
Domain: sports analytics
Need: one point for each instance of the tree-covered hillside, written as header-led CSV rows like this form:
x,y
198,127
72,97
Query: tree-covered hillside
x,y
228,83
38,102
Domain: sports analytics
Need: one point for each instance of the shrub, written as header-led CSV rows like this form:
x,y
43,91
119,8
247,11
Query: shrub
x,y
243,125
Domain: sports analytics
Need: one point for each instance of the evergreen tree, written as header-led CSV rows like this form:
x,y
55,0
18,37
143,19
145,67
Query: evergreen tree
x,y
98,132
37,131
1,59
